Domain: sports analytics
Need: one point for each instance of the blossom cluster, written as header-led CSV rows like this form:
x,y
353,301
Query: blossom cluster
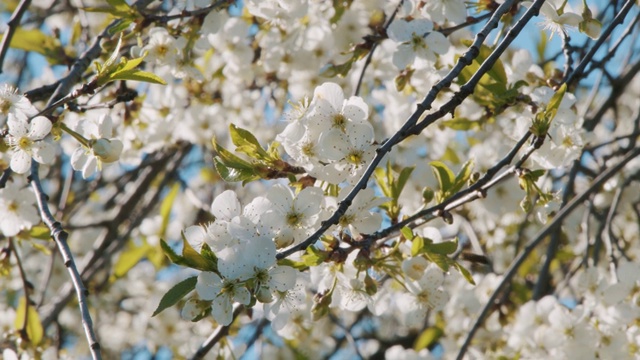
x,y
245,169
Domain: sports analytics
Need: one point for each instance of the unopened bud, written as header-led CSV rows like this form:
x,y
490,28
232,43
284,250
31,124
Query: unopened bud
x,y
106,150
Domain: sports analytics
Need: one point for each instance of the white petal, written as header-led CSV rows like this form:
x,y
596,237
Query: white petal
x,y
196,236
333,145
43,152
331,92
39,128
281,198
222,310
208,285
226,206
356,109
399,31
241,295
18,126
20,162
403,56
437,42
283,278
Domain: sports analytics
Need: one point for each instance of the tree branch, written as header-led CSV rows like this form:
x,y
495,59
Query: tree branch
x,y
60,237
12,26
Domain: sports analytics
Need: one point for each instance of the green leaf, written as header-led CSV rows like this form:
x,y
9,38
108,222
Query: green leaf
x,y
193,259
462,124
380,175
428,338
232,168
465,273
230,174
165,207
33,326
443,248
400,183
442,261
445,177
407,233
117,8
313,256
41,43
417,246
189,258
121,26
247,143
114,56
209,255
462,177
175,258
337,70
298,265
40,232
137,75
554,103
129,258
176,293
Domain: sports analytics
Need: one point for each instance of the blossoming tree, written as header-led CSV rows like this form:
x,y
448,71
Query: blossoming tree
x,y
320,179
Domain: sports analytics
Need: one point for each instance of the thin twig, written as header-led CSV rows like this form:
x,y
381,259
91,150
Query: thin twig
x,y
619,19
26,286
60,237
12,25
528,249
163,19
216,336
373,48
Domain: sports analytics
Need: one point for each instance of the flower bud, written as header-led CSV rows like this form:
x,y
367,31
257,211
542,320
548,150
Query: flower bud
x,y
106,150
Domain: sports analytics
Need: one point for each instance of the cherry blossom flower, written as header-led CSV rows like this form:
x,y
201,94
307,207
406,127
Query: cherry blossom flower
x,y
416,38
26,140
556,19
13,103
102,147
223,293
445,10
17,209
300,213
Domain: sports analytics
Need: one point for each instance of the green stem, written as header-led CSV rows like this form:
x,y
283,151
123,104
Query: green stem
x,y
81,139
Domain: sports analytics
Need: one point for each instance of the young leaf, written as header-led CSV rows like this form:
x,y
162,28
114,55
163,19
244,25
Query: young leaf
x,y
444,175
165,207
135,75
193,259
129,258
176,293
427,338
554,103
462,177
33,326
443,248
247,143
407,233
417,246
465,273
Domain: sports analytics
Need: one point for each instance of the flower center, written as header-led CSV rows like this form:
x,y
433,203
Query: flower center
x,y
24,143
293,219
339,121
355,157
